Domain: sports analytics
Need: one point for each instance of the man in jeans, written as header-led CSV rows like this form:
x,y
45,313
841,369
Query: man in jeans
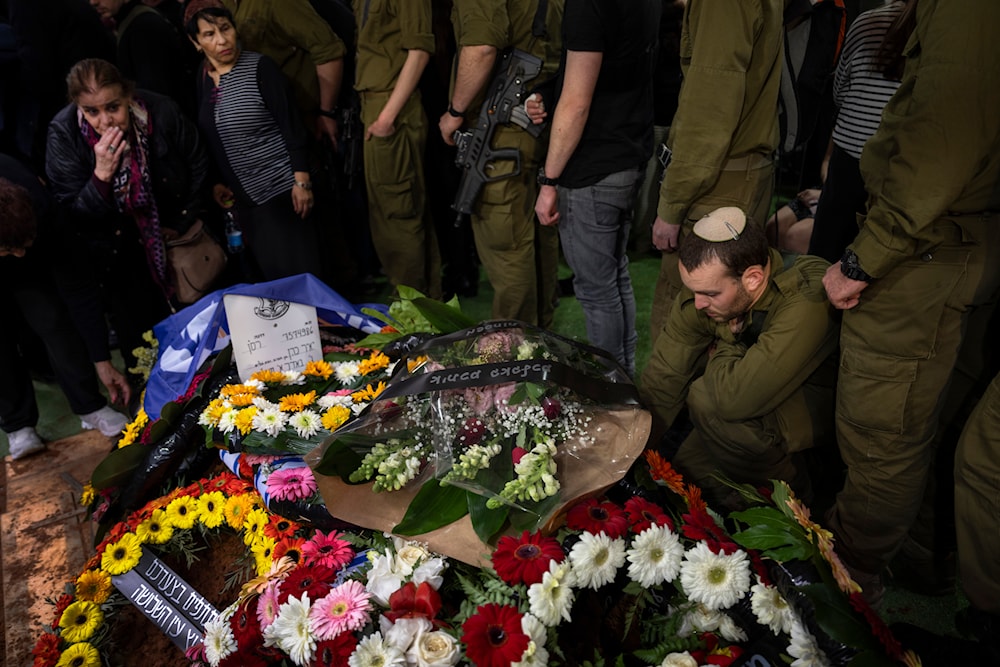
x,y
601,137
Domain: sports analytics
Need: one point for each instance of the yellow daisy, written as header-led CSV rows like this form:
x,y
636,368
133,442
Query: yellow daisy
x,y
296,402
369,393
133,429
253,525
269,376
335,416
236,510
80,655
262,548
319,368
87,495
211,508
156,529
376,362
414,364
80,620
213,412
242,400
93,586
123,555
182,512
236,389
244,419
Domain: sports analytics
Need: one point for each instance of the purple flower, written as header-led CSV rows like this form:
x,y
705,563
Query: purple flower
x,y
497,346
501,397
480,399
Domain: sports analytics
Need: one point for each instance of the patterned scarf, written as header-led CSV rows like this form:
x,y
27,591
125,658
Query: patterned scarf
x,y
133,188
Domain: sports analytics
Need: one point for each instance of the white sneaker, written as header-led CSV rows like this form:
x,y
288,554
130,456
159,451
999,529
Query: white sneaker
x,y
24,442
108,421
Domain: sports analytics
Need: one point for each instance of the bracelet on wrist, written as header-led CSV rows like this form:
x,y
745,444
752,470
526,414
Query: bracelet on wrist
x,y
455,113
305,185
332,113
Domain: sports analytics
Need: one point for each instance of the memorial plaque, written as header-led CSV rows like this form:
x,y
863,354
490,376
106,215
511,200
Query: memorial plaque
x,y
271,334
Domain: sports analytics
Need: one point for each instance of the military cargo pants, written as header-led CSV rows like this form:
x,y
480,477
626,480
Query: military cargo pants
x,y
402,231
898,348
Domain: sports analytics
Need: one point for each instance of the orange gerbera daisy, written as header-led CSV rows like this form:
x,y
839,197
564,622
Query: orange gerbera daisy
x,y
319,368
296,402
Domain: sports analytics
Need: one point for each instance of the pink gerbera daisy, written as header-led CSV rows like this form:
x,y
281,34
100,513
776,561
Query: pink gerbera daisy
x,y
327,551
344,609
291,483
267,605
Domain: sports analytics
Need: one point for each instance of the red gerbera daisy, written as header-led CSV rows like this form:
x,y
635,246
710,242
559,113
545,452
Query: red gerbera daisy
x,y
46,651
335,651
289,546
642,514
314,580
327,550
245,626
278,528
493,636
525,560
594,517
64,601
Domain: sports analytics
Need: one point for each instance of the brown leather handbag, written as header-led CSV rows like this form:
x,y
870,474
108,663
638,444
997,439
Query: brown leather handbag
x,y
196,260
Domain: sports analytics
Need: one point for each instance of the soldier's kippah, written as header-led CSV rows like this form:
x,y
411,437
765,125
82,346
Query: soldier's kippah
x,y
722,224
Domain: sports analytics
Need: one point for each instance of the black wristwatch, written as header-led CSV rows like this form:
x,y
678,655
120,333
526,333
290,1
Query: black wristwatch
x,y
545,180
455,113
850,267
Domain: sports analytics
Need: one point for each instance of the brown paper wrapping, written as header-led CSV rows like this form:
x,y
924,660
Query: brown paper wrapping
x,y
584,470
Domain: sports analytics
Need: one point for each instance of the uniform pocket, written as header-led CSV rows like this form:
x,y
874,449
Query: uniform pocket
x,y
873,389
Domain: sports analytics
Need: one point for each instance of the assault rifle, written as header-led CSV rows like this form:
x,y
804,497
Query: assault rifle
x,y
352,139
504,105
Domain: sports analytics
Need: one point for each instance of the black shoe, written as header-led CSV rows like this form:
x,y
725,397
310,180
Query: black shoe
x,y
943,651
932,575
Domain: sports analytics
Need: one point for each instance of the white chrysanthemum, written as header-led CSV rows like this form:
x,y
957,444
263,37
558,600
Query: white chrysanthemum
x,y
596,559
262,403
293,377
679,660
699,619
716,580
269,420
357,408
771,609
552,598
219,639
327,401
373,651
227,421
804,649
254,383
306,423
729,630
290,630
346,371
655,556
536,655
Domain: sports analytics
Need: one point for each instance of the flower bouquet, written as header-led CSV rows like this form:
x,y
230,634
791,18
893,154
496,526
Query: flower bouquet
x,y
493,428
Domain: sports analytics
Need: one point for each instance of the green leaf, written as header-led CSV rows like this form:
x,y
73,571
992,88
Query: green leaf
x,y
442,317
836,617
118,466
764,536
342,456
160,429
171,412
804,551
377,341
485,522
435,505
780,497
535,515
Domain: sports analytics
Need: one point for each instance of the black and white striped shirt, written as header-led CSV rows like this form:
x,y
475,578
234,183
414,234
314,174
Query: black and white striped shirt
x,y
860,90
253,129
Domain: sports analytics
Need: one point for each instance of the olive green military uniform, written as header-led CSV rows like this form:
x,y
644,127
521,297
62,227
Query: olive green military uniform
x,y
931,242
401,230
292,34
726,126
765,393
977,503
521,257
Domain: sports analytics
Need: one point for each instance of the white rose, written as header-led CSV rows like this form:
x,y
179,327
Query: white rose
x,y
433,649
404,631
408,555
382,580
679,660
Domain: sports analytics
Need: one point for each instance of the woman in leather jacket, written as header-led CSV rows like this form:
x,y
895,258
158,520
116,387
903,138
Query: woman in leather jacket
x,y
129,168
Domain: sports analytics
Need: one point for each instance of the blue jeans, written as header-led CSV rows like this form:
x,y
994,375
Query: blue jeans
x,y
594,226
